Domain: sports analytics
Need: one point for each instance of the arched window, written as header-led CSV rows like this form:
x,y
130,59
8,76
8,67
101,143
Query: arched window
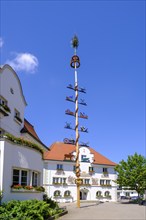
x,y
67,193
107,194
98,194
57,193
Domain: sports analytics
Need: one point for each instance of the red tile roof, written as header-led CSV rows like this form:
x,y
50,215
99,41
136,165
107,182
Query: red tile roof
x,y
29,128
59,149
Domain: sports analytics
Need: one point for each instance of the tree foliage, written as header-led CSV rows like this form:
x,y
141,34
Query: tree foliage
x,y
28,210
132,173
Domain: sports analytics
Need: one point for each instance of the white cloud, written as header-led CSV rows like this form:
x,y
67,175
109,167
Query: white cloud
x,y
24,62
1,42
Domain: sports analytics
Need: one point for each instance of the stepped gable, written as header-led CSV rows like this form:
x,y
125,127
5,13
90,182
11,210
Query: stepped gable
x,y
59,149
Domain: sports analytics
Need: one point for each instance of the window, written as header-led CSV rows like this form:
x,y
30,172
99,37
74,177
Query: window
x,y
91,169
25,177
16,174
67,193
55,180
107,193
105,170
63,180
86,181
108,182
98,193
57,193
82,157
17,115
59,166
101,182
74,168
4,104
127,193
34,178
2,132
58,180
20,177
3,101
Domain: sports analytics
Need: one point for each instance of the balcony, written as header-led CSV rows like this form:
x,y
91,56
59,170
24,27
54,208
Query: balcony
x,y
105,185
60,184
85,184
4,110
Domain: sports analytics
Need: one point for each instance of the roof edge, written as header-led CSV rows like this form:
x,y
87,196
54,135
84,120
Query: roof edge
x,y
7,66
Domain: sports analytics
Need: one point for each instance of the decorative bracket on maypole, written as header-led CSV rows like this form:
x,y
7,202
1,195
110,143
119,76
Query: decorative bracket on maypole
x,y
75,62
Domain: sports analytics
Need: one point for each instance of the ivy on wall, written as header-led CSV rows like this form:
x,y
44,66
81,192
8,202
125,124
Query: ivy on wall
x,y
23,142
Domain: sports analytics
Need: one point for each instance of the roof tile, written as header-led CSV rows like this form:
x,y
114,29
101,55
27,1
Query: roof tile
x,y
59,149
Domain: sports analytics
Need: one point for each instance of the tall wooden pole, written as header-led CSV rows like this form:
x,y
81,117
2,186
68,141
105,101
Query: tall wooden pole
x,y
77,139
75,63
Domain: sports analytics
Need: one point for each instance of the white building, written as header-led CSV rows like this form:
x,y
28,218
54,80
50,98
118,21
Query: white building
x,y
26,163
97,174
21,151
121,192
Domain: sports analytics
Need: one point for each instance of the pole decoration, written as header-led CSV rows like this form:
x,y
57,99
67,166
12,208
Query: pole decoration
x,y
75,61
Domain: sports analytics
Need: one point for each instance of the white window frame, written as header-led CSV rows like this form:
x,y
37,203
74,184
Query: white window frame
x,y
3,101
29,176
59,166
35,178
105,170
20,177
86,181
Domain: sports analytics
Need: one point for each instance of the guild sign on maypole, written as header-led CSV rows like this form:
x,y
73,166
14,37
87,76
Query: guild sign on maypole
x,y
75,63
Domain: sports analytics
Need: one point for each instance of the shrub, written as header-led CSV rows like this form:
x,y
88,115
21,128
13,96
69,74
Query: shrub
x,y
29,210
52,203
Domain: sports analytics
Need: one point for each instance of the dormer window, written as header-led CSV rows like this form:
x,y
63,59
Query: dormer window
x,y
17,116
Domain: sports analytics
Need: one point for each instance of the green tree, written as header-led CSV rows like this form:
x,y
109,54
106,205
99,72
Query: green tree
x,y
132,173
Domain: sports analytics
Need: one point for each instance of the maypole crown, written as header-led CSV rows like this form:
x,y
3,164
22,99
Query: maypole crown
x,y
75,61
75,42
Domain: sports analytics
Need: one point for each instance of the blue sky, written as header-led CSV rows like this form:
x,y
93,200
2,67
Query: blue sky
x,y
35,40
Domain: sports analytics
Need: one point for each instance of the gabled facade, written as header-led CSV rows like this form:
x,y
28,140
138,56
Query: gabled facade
x,y
97,174
21,151
26,164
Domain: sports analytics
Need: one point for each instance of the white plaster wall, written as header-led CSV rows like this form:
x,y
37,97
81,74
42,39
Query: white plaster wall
x,y
9,79
20,157
31,139
1,163
50,172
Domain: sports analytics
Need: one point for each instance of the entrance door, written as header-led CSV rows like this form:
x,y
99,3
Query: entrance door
x,y
81,195
84,195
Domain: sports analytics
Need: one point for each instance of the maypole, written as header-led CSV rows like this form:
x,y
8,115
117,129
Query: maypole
x,y
75,63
